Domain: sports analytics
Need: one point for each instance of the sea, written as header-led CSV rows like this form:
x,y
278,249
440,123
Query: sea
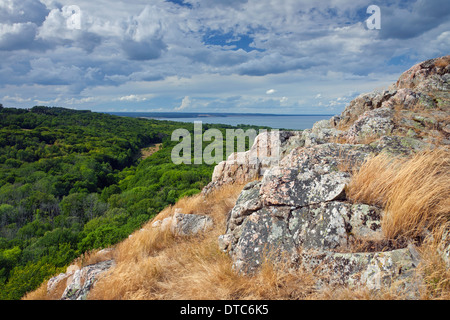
x,y
275,121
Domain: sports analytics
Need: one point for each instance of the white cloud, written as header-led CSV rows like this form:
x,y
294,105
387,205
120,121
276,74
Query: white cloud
x,y
271,91
16,99
135,98
17,36
185,103
283,100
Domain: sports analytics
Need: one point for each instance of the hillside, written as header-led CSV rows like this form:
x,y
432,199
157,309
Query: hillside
x,y
74,181
355,208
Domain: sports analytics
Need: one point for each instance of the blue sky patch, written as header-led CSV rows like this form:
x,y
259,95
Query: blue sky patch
x,y
181,3
236,42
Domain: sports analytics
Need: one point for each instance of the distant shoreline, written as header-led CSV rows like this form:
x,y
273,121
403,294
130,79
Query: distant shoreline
x,y
209,114
274,121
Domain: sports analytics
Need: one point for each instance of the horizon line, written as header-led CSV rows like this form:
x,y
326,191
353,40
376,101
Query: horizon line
x,y
222,113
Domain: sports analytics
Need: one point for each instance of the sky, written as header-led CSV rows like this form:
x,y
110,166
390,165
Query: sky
x,y
237,56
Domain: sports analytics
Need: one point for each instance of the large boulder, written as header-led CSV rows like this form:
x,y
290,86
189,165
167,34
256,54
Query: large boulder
x,y
297,187
363,103
427,76
329,155
257,231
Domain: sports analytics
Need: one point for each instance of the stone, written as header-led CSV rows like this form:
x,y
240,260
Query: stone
x,y
371,124
263,234
299,213
294,187
364,222
329,155
363,103
428,75
397,145
373,270
55,281
266,151
281,231
407,99
321,226
444,247
190,224
84,279
166,224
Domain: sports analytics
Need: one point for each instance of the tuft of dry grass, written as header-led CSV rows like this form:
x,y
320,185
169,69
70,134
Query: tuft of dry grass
x,y
414,192
433,269
41,293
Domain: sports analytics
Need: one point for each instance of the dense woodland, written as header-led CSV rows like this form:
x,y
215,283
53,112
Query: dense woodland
x,y
73,181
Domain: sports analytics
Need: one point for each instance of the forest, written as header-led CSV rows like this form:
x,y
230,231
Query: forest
x,y
74,181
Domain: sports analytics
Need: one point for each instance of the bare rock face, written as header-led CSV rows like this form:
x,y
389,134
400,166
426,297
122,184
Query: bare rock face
x,y
428,75
256,231
371,124
298,212
363,103
290,186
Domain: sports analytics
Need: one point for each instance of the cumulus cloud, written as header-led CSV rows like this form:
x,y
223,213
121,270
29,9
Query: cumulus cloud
x,y
135,98
414,19
17,36
211,50
185,103
12,11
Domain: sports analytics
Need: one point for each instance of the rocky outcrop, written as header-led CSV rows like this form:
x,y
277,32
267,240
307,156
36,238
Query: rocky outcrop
x,y
363,103
264,153
298,212
429,75
79,282
399,111
371,124
257,228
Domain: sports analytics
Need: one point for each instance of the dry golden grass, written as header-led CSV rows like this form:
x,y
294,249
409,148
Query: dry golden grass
x,y
156,265
414,192
42,294
433,269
